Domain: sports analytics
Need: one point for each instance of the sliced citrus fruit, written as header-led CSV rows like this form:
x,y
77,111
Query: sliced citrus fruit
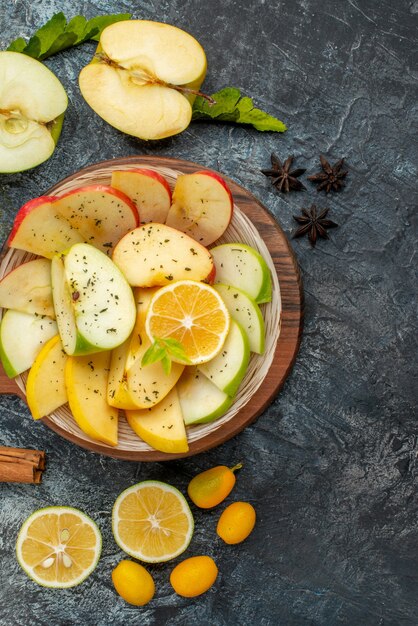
x,y
152,521
58,546
192,313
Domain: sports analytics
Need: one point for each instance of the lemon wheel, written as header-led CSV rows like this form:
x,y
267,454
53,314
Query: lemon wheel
x,y
58,546
152,521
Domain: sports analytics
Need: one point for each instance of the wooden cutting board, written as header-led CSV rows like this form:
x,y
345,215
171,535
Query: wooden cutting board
x,y
291,321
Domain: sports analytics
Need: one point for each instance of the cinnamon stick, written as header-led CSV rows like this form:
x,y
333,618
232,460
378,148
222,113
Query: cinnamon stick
x,y
18,465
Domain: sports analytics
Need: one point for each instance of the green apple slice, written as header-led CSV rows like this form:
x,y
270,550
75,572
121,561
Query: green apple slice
x,y
94,304
32,102
201,401
227,369
22,336
243,267
247,313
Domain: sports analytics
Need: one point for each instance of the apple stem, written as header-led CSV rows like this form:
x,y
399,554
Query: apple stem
x,y
148,79
236,467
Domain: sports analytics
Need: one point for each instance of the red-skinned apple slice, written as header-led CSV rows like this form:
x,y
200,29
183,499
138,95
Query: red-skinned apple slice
x,y
155,255
27,288
202,206
149,191
95,214
39,229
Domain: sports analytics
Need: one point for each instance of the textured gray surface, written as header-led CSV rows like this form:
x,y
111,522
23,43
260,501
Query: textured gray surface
x,y
331,465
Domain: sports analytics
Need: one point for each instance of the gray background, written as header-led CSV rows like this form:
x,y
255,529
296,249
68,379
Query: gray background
x,y
331,466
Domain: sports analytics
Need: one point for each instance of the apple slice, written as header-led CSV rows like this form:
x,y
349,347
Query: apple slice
x,y
96,214
86,384
243,267
148,190
32,105
227,369
94,304
162,426
45,386
99,213
202,206
38,228
147,384
155,255
27,288
201,401
143,78
247,313
118,394
22,336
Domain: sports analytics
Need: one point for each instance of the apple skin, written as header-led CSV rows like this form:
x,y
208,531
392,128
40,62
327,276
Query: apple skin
x,y
23,212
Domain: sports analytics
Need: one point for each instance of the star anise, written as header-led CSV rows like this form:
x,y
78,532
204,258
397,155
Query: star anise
x,y
313,224
282,178
331,176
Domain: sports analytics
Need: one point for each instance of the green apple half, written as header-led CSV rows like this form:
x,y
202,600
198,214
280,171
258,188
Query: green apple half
x,y
32,105
243,267
143,78
94,305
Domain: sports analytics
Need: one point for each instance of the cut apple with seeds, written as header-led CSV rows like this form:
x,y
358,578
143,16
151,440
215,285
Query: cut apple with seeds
x,y
45,386
247,313
86,383
148,190
22,336
156,255
32,105
201,401
162,426
27,288
143,78
243,267
94,304
202,206
228,369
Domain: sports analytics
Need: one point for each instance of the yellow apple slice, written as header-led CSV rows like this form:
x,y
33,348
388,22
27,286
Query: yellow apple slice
x,y
143,78
27,288
162,426
86,382
45,387
149,191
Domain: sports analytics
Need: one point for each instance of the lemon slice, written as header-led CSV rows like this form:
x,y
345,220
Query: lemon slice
x,y
152,521
194,314
58,546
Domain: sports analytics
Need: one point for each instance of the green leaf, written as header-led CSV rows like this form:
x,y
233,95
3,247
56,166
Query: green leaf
x,y
166,363
232,107
155,353
56,35
165,350
175,350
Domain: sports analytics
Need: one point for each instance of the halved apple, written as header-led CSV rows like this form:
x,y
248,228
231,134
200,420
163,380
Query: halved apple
x,y
94,304
143,78
162,426
149,191
247,313
86,384
227,369
27,288
155,255
201,401
32,105
22,336
45,386
243,267
202,206
96,214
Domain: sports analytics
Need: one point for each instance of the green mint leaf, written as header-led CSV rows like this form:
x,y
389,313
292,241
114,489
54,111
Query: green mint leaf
x,y
166,363
232,107
56,35
175,350
154,353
